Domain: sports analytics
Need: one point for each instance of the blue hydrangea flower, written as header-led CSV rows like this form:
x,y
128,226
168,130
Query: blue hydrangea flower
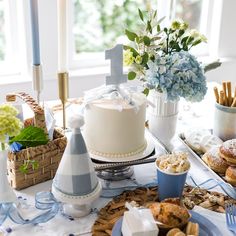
x,y
178,75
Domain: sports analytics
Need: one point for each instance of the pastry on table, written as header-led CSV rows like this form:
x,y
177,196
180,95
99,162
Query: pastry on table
x,y
230,175
214,161
209,141
194,139
173,232
192,228
228,151
171,215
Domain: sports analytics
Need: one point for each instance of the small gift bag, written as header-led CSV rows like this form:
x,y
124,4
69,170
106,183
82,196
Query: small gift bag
x,y
48,156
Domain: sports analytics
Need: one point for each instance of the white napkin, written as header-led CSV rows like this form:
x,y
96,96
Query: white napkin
x,y
216,218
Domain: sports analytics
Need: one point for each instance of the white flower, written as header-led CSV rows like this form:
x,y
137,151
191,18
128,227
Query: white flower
x,y
194,33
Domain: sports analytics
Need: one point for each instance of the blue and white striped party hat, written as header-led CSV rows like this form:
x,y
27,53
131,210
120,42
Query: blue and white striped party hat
x,y
75,181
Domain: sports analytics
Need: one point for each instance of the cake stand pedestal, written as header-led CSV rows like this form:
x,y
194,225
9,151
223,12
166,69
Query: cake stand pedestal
x,y
120,168
116,174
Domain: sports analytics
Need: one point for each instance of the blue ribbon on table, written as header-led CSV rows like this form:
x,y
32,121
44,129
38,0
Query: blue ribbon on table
x,y
212,183
43,201
108,192
46,200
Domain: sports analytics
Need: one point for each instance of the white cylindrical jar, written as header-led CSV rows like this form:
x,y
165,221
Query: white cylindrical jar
x,y
162,116
225,122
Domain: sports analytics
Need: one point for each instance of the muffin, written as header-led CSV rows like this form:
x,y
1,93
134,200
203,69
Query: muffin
x,y
192,229
171,215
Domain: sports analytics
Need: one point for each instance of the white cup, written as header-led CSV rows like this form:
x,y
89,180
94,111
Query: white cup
x,y
225,122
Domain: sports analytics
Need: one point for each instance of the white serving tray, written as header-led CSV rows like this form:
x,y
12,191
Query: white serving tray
x,y
227,187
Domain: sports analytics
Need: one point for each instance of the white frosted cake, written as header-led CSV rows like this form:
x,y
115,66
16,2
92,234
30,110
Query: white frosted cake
x,y
114,128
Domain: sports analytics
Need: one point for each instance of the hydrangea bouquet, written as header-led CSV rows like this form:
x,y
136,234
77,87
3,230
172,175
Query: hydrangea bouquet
x,y
161,59
12,133
10,125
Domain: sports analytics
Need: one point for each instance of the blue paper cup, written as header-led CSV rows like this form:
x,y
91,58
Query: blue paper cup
x,y
170,185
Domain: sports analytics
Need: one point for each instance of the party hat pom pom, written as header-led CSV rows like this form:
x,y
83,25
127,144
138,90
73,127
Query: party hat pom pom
x,y
75,121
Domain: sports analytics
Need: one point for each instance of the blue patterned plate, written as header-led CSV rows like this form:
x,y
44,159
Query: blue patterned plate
x,y
207,228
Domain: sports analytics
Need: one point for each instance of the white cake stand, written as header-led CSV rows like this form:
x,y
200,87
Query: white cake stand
x,y
121,173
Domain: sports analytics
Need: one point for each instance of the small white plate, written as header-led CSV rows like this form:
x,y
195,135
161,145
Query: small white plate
x,y
145,153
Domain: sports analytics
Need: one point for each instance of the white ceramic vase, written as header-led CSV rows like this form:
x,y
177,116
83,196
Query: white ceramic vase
x,y
7,194
162,116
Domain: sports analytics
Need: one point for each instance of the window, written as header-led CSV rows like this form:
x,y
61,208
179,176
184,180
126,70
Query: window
x,y
2,32
198,14
100,24
189,11
8,37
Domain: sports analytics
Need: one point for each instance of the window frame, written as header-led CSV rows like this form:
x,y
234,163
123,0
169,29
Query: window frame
x,y
166,8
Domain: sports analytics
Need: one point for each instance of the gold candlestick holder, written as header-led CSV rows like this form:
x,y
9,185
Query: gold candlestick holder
x,y
63,93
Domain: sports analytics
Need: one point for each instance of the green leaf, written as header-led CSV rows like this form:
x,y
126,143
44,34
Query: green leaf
x,y
183,40
173,44
135,53
181,32
146,40
189,40
155,14
196,42
160,20
140,14
24,168
155,38
158,28
149,27
31,137
131,35
212,65
145,58
146,91
34,164
131,75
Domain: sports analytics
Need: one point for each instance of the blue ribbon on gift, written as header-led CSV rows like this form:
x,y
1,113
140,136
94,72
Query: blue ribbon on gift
x,y
43,201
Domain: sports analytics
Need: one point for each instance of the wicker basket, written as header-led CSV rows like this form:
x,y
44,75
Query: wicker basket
x,y
48,156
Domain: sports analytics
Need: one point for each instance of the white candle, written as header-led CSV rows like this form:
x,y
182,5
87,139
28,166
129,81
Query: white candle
x,y
62,35
35,31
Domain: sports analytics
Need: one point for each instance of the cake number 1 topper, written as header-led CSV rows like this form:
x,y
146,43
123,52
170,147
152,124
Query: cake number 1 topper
x,y
116,57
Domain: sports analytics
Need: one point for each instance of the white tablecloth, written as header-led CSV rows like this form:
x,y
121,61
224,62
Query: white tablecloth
x,y
197,115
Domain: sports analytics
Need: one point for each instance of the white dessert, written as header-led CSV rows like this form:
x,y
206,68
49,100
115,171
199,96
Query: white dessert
x,y
114,128
194,138
209,141
174,163
139,224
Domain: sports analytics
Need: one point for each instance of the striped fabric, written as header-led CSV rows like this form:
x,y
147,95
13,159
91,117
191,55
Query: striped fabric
x,y
75,175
